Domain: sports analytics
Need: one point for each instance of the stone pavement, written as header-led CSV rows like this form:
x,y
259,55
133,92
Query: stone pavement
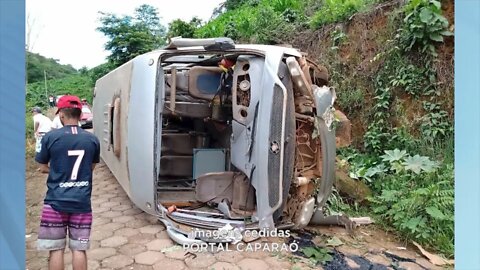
x,y
124,237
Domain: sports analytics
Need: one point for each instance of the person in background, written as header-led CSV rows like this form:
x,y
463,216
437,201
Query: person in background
x,y
69,156
41,125
51,101
56,123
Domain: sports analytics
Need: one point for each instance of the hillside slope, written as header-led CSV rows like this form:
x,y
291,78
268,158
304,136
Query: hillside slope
x,y
38,64
348,50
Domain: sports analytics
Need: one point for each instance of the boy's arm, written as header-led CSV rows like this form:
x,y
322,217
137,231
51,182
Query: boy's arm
x,y
43,168
35,127
96,157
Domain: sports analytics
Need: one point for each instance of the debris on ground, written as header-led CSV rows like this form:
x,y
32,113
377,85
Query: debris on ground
x,y
334,242
248,238
230,234
362,220
318,255
328,258
434,259
396,260
351,188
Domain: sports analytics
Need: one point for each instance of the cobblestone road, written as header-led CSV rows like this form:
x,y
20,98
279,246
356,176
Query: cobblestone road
x,y
124,237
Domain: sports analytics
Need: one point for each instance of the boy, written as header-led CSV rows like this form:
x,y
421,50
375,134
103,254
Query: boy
x,y
72,153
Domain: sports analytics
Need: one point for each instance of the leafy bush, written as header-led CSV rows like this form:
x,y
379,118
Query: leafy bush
x,y
435,124
283,5
235,24
401,75
266,22
413,194
420,206
423,25
184,29
28,125
351,100
270,27
409,78
335,11
234,4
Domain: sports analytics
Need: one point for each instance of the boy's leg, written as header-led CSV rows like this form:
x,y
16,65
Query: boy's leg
x,y
52,235
56,260
79,226
79,259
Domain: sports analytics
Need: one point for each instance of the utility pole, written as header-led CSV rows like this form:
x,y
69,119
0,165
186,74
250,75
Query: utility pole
x,y
45,76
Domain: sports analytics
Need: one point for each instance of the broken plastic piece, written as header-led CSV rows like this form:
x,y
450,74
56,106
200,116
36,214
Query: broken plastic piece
x,y
171,209
301,180
362,220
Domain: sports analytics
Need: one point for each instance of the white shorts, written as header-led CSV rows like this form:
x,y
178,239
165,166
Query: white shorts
x,y
38,142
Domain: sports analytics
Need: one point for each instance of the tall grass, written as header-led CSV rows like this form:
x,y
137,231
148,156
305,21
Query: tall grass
x,y
337,10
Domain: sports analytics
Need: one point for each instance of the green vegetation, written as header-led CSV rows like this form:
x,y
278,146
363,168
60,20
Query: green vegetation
x,y
179,28
317,255
131,36
71,81
37,65
258,21
77,84
423,25
335,11
60,79
412,193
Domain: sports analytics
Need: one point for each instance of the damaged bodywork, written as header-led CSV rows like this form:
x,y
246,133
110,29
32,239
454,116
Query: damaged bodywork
x,y
209,135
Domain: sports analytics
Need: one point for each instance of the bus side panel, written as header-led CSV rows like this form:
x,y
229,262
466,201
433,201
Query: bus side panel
x,y
114,85
141,126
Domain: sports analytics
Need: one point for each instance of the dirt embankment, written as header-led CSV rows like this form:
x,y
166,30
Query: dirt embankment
x,y
347,50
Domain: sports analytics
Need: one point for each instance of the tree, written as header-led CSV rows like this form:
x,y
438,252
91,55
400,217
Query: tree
x,y
230,5
31,29
131,36
234,4
184,29
99,71
83,70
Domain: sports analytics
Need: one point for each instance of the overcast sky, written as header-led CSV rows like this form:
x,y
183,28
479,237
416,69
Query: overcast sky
x,y
65,30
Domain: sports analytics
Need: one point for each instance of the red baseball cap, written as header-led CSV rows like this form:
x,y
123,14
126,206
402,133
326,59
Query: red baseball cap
x,y
68,101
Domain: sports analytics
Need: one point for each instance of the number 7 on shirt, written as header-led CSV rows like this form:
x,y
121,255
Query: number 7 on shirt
x,y
76,166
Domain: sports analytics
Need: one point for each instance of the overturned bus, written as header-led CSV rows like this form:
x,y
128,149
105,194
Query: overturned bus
x,y
206,133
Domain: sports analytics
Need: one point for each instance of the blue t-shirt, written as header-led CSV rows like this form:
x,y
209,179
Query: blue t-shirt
x,y
71,152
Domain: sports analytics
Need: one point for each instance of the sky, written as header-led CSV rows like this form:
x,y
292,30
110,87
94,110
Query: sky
x,y
65,30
